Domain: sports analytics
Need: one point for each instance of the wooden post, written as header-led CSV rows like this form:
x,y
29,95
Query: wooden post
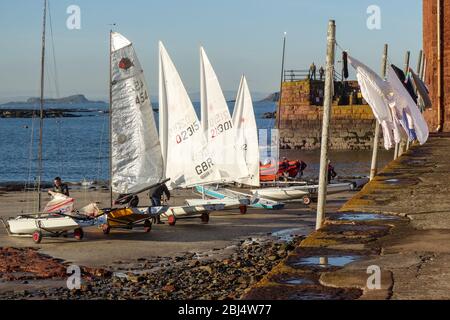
x,y
400,148
329,79
405,145
376,139
111,202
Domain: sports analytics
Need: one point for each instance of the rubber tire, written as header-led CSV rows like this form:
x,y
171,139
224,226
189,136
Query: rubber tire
x,y
243,209
106,229
171,220
78,234
37,237
147,226
307,201
205,218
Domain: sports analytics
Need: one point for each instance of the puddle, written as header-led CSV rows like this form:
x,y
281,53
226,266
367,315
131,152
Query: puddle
x,y
120,275
393,181
288,235
403,181
312,296
364,217
325,262
296,281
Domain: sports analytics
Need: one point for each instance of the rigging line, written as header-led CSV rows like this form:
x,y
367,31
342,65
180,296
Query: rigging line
x,y
57,92
339,46
53,51
26,190
99,163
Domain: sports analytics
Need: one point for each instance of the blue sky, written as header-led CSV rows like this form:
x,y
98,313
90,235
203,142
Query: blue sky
x,y
239,36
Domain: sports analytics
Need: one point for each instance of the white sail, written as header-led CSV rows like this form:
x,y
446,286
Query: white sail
x,y
188,161
136,152
247,133
218,125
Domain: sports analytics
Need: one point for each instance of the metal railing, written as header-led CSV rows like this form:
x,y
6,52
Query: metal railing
x,y
299,75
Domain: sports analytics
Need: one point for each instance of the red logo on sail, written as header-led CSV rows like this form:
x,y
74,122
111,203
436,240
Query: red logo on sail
x,y
125,64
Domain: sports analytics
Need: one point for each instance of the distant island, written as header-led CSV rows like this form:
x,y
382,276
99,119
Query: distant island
x,y
274,97
75,99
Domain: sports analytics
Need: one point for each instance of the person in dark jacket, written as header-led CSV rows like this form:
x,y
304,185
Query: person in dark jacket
x,y
331,172
301,166
60,187
156,195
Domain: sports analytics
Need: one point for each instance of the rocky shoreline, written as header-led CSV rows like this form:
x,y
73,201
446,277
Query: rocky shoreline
x,y
48,113
220,274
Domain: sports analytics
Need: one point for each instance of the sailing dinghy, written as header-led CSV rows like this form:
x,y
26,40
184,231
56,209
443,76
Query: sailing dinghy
x,y
53,219
188,160
247,146
221,135
301,192
135,153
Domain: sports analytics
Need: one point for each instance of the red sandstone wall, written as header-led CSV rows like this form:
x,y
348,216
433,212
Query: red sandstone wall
x,y
430,49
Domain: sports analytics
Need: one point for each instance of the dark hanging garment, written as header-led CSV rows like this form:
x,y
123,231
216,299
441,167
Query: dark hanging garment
x,y
421,89
345,64
406,82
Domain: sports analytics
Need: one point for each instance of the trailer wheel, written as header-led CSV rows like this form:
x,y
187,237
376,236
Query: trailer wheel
x,y
307,201
78,234
171,220
147,226
205,218
243,209
106,229
37,237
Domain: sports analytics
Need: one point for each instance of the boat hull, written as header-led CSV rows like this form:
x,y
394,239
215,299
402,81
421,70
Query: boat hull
x,y
258,202
281,194
228,203
29,225
299,192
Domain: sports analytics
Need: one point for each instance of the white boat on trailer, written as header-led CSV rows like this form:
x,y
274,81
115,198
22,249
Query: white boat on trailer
x,y
36,226
302,192
229,202
52,220
225,194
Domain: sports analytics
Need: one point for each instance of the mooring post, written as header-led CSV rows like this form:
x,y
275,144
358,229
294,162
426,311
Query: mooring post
x,y
328,100
376,139
400,147
407,63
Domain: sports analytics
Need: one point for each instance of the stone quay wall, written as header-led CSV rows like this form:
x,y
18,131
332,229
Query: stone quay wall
x,y
351,127
430,45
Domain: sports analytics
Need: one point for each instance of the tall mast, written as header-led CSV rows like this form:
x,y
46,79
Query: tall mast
x,y
41,113
110,119
281,83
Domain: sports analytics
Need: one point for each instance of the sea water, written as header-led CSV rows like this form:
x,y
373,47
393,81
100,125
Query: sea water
x,y
77,148
74,148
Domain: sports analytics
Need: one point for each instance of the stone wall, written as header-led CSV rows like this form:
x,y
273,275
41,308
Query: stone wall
x,y
351,127
430,50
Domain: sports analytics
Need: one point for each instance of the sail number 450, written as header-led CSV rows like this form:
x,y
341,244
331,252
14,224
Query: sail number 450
x,y
185,134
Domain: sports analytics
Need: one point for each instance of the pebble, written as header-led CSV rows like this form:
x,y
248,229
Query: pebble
x,y
182,277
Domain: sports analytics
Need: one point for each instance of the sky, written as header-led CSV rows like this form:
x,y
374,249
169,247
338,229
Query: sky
x,y
239,36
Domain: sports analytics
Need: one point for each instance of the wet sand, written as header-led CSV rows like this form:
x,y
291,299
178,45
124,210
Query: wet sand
x,y
123,249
